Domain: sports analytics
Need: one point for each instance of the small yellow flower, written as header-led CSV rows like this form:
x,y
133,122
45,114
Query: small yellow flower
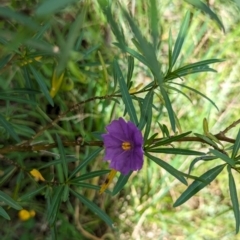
x,y
37,175
24,214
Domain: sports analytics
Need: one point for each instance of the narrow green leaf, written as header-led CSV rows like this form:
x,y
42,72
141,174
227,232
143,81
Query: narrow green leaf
x,y
62,156
177,151
169,108
28,82
44,27
147,49
180,39
8,172
19,91
65,195
236,145
122,180
58,161
196,91
164,129
4,60
146,109
148,126
182,73
4,214
125,94
6,12
74,31
150,140
169,140
9,201
7,126
55,203
177,174
206,139
89,158
16,99
90,175
154,22
170,41
179,91
234,198
130,68
31,194
51,6
203,158
23,130
199,64
116,28
203,7
94,208
222,156
41,84
86,185
133,53
196,186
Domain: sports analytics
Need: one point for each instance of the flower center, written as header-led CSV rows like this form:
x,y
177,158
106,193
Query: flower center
x,y
126,146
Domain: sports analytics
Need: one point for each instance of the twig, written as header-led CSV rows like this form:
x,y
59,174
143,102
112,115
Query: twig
x,y
234,124
42,147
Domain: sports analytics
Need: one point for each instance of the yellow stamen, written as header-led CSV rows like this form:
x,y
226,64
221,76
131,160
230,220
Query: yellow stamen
x,y
126,146
108,180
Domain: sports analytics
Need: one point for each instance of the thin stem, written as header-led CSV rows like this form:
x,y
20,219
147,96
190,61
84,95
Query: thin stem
x,y
42,147
234,124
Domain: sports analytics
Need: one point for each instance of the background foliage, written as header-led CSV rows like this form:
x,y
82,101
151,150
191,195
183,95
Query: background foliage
x,y
70,67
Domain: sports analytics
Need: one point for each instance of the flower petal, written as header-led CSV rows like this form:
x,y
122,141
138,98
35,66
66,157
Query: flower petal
x,y
119,129
111,141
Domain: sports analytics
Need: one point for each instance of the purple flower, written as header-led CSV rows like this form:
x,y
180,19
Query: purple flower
x,y
124,146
